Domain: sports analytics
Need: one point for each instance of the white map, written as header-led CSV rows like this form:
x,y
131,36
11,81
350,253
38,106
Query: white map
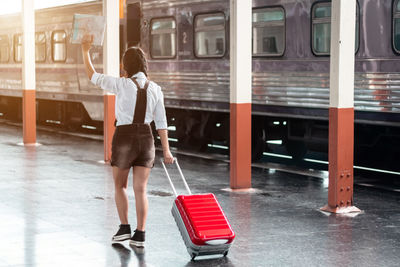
x,y
88,24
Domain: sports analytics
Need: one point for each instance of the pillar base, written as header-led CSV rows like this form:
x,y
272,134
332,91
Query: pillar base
x,y
28,144
242,190
340,210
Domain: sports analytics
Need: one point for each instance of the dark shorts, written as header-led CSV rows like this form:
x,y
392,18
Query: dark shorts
x,y
133,145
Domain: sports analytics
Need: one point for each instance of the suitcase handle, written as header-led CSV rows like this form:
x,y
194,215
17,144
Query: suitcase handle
x,y
180,172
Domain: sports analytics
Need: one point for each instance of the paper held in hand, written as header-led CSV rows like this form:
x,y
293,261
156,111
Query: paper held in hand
x,y
88,24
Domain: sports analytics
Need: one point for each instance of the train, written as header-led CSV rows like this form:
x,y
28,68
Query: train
x,y
187,43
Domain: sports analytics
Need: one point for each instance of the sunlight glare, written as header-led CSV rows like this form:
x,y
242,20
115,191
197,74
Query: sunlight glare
x,y
15,6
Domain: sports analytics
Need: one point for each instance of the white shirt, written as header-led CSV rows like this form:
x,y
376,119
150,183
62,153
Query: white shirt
x,y
125,103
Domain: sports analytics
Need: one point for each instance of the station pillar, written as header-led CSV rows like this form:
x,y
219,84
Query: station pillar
x,y
341,108
111,11
240,93
28,73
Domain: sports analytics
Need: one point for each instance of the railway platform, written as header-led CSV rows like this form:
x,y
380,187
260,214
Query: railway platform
x,y
57,209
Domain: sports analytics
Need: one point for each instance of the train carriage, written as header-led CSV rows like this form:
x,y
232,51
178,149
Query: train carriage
x,y
64,94
187,43
291,41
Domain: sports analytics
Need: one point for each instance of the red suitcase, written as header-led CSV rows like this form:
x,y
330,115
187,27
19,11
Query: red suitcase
x,y
201,222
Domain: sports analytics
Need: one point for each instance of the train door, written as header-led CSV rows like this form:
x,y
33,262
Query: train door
x,y
134,15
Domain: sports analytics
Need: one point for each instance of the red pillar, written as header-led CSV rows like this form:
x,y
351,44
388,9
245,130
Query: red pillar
x,y
28,73
240,145
341,143
341,110
109,128
240,94
29,116
111,11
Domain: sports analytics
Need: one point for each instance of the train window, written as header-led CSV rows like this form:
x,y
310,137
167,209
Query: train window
x,y
209,35
18,47
163,38
396,26
59,46
269,32
4,49
40,47
321,29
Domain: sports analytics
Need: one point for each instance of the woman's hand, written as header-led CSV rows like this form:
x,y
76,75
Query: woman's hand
x,y
87,42
168,158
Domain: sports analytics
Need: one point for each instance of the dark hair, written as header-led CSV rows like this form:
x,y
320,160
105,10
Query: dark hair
x,y
134,61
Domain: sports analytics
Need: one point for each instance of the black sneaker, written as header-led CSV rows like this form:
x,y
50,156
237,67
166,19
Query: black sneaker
x,y
137,239
124,233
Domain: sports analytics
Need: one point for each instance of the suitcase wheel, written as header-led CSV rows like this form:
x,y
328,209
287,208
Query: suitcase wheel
x,y
193,256
226,253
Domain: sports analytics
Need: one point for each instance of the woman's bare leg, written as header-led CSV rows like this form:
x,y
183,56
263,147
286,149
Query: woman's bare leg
x,y
140,178
121,198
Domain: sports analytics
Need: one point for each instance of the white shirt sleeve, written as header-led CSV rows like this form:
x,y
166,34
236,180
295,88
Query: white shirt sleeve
x,y
106,82
160,119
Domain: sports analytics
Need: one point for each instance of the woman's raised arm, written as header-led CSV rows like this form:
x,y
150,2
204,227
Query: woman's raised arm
x,y
86,45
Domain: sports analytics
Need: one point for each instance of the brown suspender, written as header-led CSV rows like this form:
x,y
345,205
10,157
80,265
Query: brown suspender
x,y
141,102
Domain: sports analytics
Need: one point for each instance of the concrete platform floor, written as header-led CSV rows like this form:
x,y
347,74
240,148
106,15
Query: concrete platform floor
x,y
57,209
